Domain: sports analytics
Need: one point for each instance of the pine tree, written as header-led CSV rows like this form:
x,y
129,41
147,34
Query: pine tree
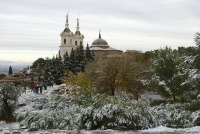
x,y
171,73
9,94
66,62
197,39
72,61
59,69
10,70
88,54
80,59
49,70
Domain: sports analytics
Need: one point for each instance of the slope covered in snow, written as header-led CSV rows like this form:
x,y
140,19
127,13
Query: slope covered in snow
x,y
49,112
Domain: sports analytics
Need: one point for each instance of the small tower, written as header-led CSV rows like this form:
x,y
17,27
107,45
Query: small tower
x,y
70,40
78,36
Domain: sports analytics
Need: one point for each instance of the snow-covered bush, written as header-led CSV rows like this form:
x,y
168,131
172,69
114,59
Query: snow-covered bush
x,y
9,94
99,111
172,115
82,112
196,116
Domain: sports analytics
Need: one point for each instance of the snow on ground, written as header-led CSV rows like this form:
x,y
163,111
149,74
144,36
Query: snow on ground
x,y
15,127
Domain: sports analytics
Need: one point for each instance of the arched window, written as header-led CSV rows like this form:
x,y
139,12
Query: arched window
x,y
80,42
75,42
64,41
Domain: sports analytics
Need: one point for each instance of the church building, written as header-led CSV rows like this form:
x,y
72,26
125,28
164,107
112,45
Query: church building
x,y
70,40
99,46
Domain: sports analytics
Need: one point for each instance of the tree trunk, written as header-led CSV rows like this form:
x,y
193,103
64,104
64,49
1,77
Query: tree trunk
x,y
112,91
174,98
8,115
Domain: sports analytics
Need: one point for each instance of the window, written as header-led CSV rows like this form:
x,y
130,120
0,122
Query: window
x,y
80,42
75,42
64,41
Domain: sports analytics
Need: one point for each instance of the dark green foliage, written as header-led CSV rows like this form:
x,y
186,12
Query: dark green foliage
x,y
193,106
9,94
54,69
80,59
157,102
72,61
170,73
48,70
40,61
197,121
59,70
10,70
66,62
88,54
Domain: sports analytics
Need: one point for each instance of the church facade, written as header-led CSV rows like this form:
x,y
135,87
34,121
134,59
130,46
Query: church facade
x,y
70,40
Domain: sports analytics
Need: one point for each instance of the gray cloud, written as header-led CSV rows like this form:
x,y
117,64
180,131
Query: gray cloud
x,y
128,24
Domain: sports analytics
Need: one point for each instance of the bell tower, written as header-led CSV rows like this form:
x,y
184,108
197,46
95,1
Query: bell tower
x,y
70,40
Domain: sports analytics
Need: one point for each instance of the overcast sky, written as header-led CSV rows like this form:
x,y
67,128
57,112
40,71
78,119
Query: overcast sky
x,y
31,28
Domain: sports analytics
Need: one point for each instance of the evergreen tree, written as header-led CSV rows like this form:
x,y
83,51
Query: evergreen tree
x,y
39,61
10,70
66,62
9,94
197,39
59,69
88,54
171,73
49,70
80,59
72,61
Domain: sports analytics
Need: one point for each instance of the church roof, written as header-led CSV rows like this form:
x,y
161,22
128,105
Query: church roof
x,y
77,33
96,48
99,42
67,30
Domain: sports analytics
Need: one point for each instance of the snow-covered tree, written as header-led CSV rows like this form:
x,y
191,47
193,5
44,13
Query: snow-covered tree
x,y
197,39
72,61
171,73
58,69
66,61
80,59
49,69
9,94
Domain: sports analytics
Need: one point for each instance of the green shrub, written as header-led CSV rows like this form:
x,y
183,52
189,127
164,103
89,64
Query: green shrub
x,y
196,121
157,102
193,106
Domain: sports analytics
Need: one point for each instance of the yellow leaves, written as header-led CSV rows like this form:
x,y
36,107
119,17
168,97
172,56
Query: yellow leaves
x,y
81,79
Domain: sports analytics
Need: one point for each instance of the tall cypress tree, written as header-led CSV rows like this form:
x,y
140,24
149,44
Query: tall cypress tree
x,y
80,59
59,69
10,70
72,61
88,54
66,61
48,76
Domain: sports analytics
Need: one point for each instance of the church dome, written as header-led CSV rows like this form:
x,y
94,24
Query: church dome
x,y
99,42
